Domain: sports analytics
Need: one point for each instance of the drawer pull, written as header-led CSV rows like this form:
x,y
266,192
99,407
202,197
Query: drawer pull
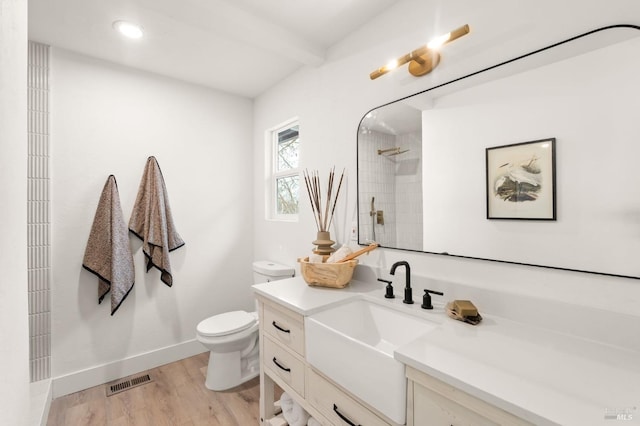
x,y
275,361
280,328
343,417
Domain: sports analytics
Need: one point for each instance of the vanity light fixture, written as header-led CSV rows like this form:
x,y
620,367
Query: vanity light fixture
x,y
128,29
425,58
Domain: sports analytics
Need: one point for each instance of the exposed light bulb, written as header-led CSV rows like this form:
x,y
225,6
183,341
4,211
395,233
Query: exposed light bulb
x,y
128,29
439,41
391,65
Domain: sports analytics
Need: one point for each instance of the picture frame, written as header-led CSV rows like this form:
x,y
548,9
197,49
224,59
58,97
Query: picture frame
x,y
521,180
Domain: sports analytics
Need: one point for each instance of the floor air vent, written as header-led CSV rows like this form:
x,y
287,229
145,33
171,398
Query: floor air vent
x,y
122,385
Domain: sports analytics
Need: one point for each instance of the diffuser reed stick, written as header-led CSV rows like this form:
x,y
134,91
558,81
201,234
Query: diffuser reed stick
x,y
322,216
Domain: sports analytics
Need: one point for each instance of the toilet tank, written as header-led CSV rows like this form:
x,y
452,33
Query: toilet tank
x,y
265,271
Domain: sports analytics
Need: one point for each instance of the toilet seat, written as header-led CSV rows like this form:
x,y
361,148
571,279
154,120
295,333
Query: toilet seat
x,y
226,323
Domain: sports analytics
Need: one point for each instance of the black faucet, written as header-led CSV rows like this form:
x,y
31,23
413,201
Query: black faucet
x,y
408,297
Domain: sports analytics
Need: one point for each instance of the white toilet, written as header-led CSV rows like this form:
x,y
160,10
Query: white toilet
x,y
232,337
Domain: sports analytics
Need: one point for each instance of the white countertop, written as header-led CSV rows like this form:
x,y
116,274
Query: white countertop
x,y
534,373
296,295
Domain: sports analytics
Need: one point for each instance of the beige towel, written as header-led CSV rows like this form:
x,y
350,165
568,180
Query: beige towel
x,y
152,222
108,254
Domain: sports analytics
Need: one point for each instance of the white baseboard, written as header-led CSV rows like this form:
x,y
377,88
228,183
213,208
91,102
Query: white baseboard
x,y
84,379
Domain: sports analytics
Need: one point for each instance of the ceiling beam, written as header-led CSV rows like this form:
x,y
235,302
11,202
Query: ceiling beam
x,y
223,18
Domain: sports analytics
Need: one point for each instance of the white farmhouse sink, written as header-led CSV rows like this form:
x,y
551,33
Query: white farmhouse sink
x,y
353,345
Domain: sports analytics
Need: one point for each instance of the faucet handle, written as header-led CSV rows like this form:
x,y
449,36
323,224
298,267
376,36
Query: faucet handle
x,y
388,290
426,299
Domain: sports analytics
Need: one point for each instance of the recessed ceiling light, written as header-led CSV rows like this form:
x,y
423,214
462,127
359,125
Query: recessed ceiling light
x,y
128,29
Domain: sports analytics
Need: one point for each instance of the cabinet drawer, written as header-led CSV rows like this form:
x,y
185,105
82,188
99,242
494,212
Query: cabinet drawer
x,y
431,408
284,364
286,328
336,405
438,403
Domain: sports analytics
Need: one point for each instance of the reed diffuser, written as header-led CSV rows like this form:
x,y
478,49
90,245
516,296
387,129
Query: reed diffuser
x,y
323,216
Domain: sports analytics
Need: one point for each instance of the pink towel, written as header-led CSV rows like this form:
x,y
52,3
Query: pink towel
x,y
108,254
152,222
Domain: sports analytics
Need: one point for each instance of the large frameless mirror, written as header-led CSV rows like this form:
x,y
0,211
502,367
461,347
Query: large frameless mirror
x,y
426,162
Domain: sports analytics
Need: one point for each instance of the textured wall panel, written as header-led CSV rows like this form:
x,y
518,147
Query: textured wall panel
x,y
38,216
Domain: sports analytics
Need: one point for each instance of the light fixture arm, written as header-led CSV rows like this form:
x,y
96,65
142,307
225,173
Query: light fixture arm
x,y
425,58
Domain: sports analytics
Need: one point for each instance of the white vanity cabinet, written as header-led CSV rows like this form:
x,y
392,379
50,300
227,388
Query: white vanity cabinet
x,y
283,362
435,403
517,373
282,359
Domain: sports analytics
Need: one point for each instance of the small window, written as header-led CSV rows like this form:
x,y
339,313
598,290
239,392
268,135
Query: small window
x,y
285,182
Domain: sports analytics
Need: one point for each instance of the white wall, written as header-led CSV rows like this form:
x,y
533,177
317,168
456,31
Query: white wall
x,y
107,119
331,99
14,350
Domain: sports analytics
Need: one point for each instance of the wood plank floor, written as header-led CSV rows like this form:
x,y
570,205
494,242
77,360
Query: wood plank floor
x,y
177,396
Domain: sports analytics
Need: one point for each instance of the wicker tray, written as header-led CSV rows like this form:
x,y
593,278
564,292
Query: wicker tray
x,y
335,275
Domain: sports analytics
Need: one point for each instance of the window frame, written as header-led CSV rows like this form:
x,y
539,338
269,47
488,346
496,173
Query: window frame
x,y
275,174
